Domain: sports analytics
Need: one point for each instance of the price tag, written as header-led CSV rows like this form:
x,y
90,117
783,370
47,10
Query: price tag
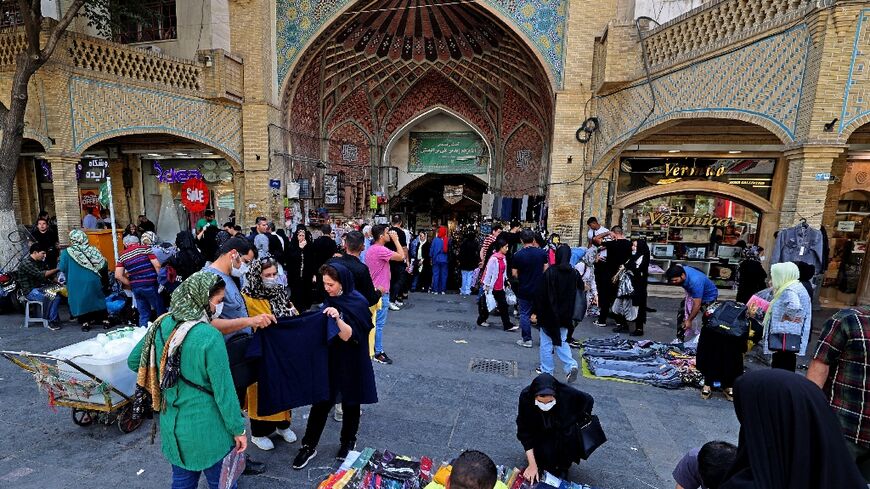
x,y
802,251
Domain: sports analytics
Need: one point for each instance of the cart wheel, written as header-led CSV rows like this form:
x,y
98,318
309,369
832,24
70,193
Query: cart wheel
x,y
82,418
126,423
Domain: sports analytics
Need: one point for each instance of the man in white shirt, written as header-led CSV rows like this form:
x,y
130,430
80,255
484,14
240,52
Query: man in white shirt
x,y
597,235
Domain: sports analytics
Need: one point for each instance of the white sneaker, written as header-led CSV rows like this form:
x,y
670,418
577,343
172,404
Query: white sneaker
x,y
399,303
263,443
394,307
288,435
484,324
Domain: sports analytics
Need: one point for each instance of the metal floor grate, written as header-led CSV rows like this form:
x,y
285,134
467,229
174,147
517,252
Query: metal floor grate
x,y
507,368
451,325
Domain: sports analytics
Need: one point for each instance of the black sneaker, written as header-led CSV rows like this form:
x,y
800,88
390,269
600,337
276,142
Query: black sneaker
x,y
573,343
304,456
572,375
344,449
252,467
539,370
383,358
53,325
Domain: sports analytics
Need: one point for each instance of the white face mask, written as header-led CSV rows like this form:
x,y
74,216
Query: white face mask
x,y
545,407
271,282
241,271
218,308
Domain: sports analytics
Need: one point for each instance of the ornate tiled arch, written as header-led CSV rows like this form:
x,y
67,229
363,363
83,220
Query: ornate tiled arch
x,y
102,110
541,23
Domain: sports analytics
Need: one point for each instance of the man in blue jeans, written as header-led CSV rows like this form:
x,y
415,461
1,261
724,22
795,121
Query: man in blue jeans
x,y
33,275
379,259
137,268
529,265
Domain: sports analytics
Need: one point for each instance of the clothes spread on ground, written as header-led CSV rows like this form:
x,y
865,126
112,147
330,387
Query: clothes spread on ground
x,y
656,364
294,370
376,469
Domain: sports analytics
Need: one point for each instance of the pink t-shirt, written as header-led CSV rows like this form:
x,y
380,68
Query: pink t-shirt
x,y
378,261
499,280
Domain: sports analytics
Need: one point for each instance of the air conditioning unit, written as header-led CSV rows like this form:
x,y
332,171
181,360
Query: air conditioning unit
x,y
152,48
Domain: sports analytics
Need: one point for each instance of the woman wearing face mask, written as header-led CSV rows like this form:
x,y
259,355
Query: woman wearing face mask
x,y
264,294
182,362
547,419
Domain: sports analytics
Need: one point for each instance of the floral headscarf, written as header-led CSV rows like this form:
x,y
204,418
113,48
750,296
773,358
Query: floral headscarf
x,y
254,288
83,253
190,298
752,253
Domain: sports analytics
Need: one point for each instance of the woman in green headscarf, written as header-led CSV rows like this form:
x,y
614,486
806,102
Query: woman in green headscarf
x,y
182,363
788,321
86,272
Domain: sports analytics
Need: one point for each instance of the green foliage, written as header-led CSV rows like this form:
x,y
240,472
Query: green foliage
x,y
108,16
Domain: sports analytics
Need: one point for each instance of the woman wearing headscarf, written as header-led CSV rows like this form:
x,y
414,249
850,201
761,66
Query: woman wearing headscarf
x,y
638,265
264,294
547,419
719,358
494,281
751,275
299,274
440,259
806,272
182,363
86,273
554,306
206,240
789,437
187,260
351,377
788,321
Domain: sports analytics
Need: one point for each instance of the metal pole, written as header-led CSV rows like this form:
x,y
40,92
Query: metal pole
x,y
112,217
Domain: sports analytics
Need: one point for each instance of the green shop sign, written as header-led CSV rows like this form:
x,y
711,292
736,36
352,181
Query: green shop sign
x,y
447,152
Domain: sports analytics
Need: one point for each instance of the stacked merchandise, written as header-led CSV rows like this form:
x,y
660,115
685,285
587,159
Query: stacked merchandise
x,y
375,469
649,362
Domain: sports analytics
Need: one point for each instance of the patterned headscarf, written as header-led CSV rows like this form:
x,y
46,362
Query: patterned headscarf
x,y
83,253
752,253
190,298
254,288
149,238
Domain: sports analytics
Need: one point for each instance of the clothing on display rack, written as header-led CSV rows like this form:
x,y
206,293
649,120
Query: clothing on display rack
x,y
799,243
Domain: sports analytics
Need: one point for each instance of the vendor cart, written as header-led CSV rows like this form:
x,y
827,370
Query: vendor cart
x,y
67,384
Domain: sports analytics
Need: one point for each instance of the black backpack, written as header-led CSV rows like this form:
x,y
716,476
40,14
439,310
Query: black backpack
x,y
728,317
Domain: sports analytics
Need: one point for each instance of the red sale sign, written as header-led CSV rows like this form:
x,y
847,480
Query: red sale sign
x,y
194,195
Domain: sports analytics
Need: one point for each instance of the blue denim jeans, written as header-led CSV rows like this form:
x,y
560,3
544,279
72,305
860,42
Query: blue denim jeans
x,y
465,289
380,321
47,305
439,277
525,308
147,300
563,352
189,479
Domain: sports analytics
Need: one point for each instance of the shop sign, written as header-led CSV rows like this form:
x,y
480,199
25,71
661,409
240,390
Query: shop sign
x,y
173,175
453,194
373,202
674,170
823,177
664,219
93,171
194,195
89,198
275,184
846,226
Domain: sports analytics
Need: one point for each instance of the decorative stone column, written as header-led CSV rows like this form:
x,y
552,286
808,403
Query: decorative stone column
x,y
66,194
805,195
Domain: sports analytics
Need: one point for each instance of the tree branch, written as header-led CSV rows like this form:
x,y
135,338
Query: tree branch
x,y
31,26
71,13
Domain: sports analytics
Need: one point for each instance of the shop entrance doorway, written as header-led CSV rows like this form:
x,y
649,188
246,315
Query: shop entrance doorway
x,y
436,199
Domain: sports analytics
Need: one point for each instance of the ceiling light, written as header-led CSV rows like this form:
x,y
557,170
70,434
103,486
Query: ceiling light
x,y
180,154
207,153
673,151
734,152
155,155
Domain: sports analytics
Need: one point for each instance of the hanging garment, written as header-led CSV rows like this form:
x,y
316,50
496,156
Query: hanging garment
x,y
799,243
294,361
524,208
486,204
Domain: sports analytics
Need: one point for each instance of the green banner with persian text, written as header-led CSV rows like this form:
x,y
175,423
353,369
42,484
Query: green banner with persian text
x,y
447,152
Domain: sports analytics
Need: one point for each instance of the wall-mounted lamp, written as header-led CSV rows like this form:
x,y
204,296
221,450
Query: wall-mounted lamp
x,y
829,127
257,156
570,159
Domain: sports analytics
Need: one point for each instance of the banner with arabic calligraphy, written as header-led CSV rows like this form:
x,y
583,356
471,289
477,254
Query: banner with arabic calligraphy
x,y
447,152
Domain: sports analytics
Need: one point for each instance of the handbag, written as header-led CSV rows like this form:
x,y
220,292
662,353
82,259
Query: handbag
x,y
510,297
579,306
590,435
242,368
784,342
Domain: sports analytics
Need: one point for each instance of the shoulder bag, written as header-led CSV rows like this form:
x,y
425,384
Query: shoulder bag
x,y
728,317
590,435
243,369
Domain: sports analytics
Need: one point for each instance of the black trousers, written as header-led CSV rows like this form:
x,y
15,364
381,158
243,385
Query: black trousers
x,y
551,457
503,309
397,279
605,291
785,360
317,421
266,428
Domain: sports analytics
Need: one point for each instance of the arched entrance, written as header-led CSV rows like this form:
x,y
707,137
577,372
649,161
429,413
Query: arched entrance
x,y
434,199
384,81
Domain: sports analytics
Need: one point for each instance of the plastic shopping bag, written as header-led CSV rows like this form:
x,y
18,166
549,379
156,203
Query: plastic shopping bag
x,y
510,297
491,304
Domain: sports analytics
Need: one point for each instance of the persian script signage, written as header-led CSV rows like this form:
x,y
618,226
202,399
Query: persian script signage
x,y
663,219
447,152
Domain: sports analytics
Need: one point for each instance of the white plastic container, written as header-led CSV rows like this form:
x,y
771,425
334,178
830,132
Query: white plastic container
x,y
111,369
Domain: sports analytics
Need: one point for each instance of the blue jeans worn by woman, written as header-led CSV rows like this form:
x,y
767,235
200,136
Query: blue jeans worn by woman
x,y
563,352
189,479
465,289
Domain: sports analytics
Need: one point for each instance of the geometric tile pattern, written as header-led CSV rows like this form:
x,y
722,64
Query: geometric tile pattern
x,y
101,110
760,83
856,99
523,154
542,22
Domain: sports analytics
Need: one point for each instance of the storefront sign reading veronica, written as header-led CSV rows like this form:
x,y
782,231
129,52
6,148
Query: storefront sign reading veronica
x,y
753,174
664,219
447,152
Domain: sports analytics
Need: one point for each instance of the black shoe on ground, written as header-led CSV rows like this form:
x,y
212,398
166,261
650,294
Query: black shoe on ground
x,y
572,375
344,449
620,329
383,358
573,343
53,325
539,370
650,309
252,467
304,456
600,325
637,332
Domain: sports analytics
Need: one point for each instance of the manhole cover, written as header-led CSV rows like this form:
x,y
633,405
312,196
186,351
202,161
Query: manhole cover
x,y
451,325
507,368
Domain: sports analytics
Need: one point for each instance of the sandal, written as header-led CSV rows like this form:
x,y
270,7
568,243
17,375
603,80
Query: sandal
x,y
107,324
729,394
86,327
706,392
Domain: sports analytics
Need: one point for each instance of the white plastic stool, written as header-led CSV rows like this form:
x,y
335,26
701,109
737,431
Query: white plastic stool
x,y
39,319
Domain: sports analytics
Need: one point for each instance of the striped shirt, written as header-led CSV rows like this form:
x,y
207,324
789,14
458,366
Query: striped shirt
x,y
136,261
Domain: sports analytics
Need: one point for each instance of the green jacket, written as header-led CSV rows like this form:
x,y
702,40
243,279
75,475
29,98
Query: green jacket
x,y
197,428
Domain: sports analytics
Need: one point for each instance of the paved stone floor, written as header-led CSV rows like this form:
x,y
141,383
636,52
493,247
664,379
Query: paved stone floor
x,y
430,404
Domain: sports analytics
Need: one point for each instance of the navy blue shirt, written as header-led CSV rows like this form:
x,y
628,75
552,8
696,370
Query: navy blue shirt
x,y
529,264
